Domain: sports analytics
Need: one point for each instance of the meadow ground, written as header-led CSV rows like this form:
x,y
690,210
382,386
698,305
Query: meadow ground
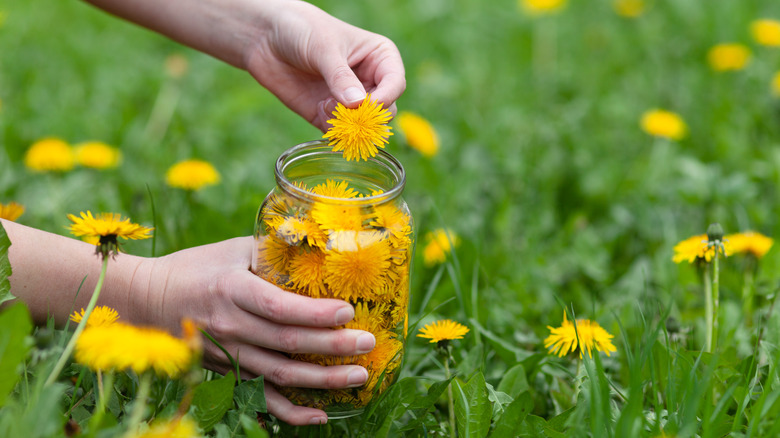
x,y
561,202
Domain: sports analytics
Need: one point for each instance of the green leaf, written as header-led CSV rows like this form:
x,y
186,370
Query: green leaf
x,y
15,326
5,267
421,406
514,381
250,396
211,400
252,429
514,415
473,410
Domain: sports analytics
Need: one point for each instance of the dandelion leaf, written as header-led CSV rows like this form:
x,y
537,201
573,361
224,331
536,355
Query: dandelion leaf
x,y
212,399
15,327
420,407
513,417
514,381
5,267
473,409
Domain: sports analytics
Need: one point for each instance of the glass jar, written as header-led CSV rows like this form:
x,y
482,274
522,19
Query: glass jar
x,y
333,228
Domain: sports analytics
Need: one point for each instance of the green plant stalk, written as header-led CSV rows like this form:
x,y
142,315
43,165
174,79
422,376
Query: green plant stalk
x,y
708,307
144,387
100,409
79,328
450,402
715,301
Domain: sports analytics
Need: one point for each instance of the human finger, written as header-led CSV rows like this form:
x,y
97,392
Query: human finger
x,y
283,409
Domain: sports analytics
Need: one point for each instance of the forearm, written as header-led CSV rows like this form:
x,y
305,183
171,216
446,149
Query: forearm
x,y
48,270
223,29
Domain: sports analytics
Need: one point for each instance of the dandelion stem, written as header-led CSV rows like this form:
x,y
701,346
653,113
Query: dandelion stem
x,y
139,407
80,327
715,300
450,403
708,307
100,409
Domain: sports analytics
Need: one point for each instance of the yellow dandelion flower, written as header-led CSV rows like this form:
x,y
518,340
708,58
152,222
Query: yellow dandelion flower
x,y
440,242
629,8
378,360
541,7
97,155
766,32
100,316
749,242
121,346
274,256
192,175
306,273
661,123
50,155
176,66
392,220
587,334
333,218
360,131
728,57
11,211
443,330
296,230
697,247
183,427
358,272
776,84
419,133
335,189
107,227
368,318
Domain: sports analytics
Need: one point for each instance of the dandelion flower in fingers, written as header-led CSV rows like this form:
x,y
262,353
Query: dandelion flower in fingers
x,y
583,335
107,227
359,132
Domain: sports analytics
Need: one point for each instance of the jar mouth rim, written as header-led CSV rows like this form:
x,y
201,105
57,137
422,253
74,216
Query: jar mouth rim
x,y
382,157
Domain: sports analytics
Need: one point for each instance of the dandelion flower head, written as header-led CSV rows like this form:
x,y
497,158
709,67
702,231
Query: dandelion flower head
x,y
107,227
50,155
100,316
541,7
587,335
358,271
359,132
728,57
629,8
11,211
97,155
443,330
192,175
120,346
183,427
766,32
419,133
697,247
662,123
749,242
440,242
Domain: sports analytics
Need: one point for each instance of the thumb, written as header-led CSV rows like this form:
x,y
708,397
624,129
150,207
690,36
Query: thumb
x,y
344,85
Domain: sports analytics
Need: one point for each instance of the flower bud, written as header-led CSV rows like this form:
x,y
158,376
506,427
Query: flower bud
x,y
715,233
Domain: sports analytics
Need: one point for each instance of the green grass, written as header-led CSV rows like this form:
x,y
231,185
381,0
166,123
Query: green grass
x,y
559,198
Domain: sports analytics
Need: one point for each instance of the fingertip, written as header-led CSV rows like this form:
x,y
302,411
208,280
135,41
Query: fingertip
x,y
344,315
353,96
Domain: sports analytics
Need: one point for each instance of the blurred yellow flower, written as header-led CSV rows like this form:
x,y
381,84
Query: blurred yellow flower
x,y
359,131
183,427
97,155
661,123
541,7
176,66
776,84
50,154
120,346
419,133
766,32
107,227
192,175
443,330
439,243
728,57
100,316
697,247
568,338
11,211
749,242
629,8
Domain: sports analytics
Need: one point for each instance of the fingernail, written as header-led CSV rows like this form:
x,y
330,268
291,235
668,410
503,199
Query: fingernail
x,y
318,420
353,94
365,343
344,315
357,377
